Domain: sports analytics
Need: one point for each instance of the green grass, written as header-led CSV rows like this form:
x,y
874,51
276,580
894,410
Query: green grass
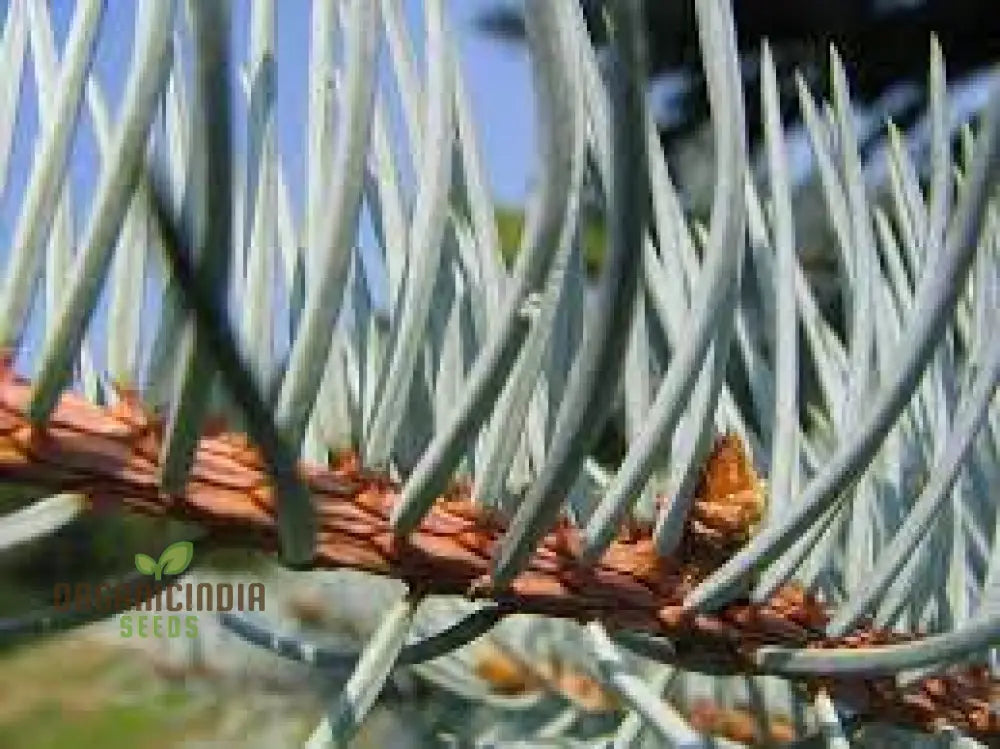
x,y
49,727
67,692
510,223
73,691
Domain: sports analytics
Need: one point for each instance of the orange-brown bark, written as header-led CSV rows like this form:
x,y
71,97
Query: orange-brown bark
x,y
111,455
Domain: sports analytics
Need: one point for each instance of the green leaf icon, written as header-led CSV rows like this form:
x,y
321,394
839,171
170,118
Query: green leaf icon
x,y
173,561
145,564
175,558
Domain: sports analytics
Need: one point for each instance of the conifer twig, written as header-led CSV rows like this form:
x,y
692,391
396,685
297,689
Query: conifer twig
x,y
111,456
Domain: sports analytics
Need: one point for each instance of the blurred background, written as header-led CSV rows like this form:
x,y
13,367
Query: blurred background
x,y
88,686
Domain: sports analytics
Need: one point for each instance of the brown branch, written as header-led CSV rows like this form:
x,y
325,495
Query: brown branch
x,y
111,455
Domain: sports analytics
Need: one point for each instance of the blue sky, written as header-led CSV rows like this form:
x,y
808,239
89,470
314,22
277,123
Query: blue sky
x,y
497,78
